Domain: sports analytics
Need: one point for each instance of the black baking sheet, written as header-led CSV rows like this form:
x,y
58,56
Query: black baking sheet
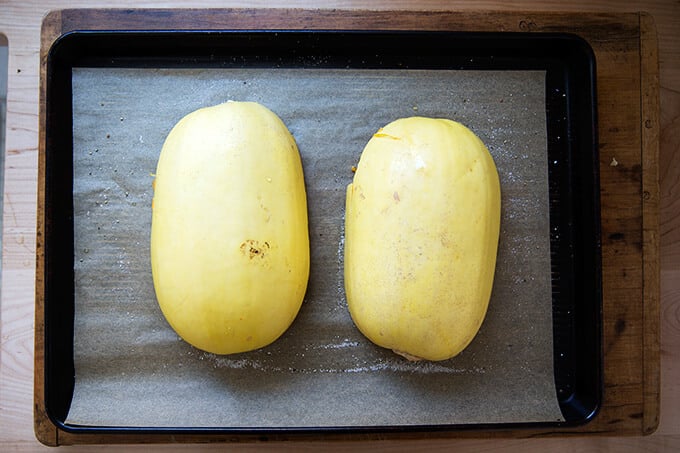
x,y
570,193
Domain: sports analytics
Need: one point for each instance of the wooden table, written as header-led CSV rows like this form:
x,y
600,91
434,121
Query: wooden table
x,y
639,348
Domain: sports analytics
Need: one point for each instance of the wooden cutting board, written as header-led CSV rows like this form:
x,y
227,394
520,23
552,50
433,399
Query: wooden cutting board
x,y
625,47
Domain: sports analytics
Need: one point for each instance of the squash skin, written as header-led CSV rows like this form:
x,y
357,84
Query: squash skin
x,y
229,234
422,225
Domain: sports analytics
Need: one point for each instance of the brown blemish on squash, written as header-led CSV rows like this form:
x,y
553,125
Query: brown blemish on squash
x,y
254,249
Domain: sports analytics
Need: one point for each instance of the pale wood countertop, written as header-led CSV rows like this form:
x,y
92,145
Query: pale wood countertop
x,y
20,23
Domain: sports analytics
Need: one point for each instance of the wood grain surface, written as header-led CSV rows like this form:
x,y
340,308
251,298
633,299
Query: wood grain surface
x,y
634,382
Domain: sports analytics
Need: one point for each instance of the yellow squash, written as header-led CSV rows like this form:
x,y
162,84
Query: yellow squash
x,y
421,236
229,237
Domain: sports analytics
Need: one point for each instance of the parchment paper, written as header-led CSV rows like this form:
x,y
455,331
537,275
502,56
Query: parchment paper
x,y
133,370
